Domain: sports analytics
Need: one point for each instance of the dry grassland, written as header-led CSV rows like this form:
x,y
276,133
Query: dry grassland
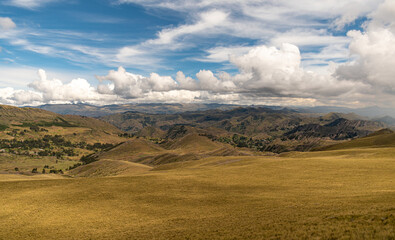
x,y
343,194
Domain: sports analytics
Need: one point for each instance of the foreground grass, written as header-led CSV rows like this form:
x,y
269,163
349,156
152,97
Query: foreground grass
x,y
329,195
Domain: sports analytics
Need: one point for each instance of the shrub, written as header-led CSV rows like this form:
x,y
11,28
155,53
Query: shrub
x,y
35,128
88,159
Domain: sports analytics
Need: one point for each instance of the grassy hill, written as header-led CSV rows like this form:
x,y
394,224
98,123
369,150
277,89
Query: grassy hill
x,y
33,138
185,147
193,143
14,118
107,167
132,150
379,139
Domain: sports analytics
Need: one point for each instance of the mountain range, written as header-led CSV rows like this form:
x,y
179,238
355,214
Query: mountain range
x,y
170,108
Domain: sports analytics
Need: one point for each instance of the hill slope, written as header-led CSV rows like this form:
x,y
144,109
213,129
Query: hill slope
x,y
104,168
45,122
194,143
35,141
380,139
132,150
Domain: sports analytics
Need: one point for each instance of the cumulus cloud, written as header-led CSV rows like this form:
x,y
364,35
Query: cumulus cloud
x,y
55,90
22,97
129,85
186,82
6,95
264,72
374,52
271,71
19,97
207,81
6,23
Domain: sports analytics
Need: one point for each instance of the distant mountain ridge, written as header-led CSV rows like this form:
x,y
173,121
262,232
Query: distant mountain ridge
x,y
171,108
153,108
261,128
339,129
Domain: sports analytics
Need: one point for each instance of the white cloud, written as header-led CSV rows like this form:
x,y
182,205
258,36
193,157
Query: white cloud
x,y
6,95
186,82
308,37
279,13
374,52
129,85
207,81
55,90
263,71
31,4
206,22
383,16
22,97
375,59
172,96
304,23
16,76
222,54
268,71
6,23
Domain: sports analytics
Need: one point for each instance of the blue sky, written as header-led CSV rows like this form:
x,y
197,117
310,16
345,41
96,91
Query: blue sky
x,y
252,51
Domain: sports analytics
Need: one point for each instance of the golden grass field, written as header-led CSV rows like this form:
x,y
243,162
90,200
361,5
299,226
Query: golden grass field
x,y
340,194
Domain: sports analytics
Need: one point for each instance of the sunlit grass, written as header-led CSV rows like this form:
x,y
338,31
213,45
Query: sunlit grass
x,y
326,195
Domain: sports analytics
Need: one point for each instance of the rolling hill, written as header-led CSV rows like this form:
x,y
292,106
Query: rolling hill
x,y
380,139
20,118
36,141
182,144
107,167
264,129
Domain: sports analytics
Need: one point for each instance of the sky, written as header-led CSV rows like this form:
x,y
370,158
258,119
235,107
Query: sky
x,y
271,52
